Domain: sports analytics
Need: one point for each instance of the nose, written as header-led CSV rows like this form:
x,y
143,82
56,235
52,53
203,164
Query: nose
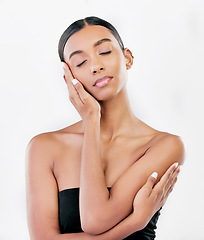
x,y
97,67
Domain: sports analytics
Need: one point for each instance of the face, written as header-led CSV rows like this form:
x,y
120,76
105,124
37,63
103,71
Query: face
x,y
94,54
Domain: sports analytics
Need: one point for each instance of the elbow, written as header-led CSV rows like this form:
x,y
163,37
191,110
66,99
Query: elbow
x,y
93,224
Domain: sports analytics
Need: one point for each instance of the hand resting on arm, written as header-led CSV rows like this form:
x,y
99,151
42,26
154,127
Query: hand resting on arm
x,y
42,197
99,209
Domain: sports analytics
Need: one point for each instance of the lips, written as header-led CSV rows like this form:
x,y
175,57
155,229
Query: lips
x,y
100,82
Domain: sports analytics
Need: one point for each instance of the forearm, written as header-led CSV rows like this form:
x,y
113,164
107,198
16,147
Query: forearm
x,y
120,231
92,174
93,189
125,228
94,194
74,236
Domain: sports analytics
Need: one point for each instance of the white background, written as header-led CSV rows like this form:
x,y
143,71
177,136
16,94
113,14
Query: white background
x,y
165,87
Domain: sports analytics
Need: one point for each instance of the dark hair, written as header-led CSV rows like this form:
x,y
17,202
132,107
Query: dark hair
x,y
78,25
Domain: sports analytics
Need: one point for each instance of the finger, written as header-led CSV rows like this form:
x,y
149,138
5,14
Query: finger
x,y
165,178
67,72
148,186
73,95
83,94
172,178
169,187
166,195
159,189
68,77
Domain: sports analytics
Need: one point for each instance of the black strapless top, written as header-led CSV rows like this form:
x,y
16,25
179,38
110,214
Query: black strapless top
x,y
69,218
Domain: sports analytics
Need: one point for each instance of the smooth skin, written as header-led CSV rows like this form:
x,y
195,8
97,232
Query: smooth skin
x,y
109,147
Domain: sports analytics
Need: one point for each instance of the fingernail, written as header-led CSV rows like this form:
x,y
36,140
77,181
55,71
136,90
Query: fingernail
x,y
154,175
176,165
75,81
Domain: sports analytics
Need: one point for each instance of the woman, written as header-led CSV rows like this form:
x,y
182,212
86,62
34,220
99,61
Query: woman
x,y
109,155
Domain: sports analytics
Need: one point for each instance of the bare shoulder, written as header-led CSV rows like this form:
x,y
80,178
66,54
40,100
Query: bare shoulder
x,y
42,142
45,138
163,141
49,144
167,143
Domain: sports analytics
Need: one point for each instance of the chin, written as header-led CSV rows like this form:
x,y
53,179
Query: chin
x,y
106,94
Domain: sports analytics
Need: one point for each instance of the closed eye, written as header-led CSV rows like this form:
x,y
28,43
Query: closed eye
x,y
103,53
79,65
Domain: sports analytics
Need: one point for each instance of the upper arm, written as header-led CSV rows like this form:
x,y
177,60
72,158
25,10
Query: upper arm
x,y
158,158
41,190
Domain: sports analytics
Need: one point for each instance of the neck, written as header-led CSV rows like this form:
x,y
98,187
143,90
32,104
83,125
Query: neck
x,y
116,116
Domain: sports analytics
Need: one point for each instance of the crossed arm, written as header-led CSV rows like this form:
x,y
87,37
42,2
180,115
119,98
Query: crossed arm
x,y
42,197
100,210
114,210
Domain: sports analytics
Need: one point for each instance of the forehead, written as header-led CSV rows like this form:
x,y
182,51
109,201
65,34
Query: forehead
x,y
87,36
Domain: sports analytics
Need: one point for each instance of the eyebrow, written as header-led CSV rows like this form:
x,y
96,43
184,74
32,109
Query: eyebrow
x,y
95,45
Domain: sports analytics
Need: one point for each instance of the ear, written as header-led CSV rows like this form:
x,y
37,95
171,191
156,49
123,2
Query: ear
x,y
129,58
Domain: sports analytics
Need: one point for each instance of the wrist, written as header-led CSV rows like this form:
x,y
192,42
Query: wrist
x,y
125,228
134,223
91,120
139,220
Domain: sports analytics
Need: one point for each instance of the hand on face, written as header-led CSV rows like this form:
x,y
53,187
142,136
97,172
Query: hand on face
x,y
84,103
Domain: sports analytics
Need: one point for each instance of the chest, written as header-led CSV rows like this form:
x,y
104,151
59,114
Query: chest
x,y
116,158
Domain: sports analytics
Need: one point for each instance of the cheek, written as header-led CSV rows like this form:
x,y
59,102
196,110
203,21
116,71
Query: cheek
x,y
119,65
84,78
121,71
79,74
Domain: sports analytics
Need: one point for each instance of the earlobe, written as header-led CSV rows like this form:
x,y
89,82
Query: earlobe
x,y
128,66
